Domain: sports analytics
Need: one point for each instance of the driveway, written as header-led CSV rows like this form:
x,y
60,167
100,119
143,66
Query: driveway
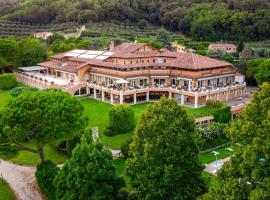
x,y
21,179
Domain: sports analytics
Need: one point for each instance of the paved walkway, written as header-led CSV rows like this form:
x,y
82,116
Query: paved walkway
x,y
21,179
213,167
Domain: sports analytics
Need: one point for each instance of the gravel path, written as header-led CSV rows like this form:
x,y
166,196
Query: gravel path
x,y
21,179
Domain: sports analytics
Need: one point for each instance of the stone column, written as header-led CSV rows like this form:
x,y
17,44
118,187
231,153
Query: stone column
x,y
87,90
217,96
121,97
135,98
196,100
182,99
189,85
147,96
95,93
111,98
227,95
102,95
170,94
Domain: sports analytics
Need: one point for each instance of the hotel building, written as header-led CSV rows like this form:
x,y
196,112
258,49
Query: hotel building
x,y
137,72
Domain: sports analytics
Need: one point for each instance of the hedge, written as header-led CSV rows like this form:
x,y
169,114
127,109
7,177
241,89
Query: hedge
x,y
7,81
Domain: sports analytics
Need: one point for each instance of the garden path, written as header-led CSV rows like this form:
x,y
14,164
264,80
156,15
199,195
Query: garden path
x,y
21,179
213,167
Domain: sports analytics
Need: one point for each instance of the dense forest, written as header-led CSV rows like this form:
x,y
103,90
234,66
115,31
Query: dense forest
x,y
212,20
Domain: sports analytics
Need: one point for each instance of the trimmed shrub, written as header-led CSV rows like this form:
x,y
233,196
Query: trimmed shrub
x,y
109,132
223,115
125,148
45,174
7,81
19,90
214,104
121,120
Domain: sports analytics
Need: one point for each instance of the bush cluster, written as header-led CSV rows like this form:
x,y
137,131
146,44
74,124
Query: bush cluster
x,y
125,148
7,81
19,90
211,136
121,120
214,104
223,115
45,174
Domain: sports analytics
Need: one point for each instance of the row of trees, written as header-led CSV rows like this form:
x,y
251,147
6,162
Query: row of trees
x,y
213,20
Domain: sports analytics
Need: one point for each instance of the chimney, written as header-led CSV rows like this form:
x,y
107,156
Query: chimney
x,y
112,45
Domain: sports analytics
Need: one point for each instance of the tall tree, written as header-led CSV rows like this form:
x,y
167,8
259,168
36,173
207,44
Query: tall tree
x,y
32,51
88,174
43,117
164,157
247,174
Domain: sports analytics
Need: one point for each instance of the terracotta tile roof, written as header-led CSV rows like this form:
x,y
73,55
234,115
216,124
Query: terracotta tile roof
x,y
79,59
67,67
128,47
61,55
185,60
189,60
225,45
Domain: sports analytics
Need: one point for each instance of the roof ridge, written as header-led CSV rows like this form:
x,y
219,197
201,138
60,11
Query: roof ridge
x,y
193,60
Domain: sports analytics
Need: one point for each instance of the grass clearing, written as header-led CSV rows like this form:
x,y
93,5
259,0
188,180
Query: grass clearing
x,y
5,191
209,157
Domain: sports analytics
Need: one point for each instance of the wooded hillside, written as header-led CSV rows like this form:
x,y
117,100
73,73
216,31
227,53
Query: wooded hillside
x,y
238,20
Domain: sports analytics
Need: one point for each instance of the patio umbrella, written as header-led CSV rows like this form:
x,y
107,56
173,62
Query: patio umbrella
x,y
121,81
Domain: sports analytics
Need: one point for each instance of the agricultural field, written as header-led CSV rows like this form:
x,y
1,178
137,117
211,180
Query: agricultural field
x,y
17,29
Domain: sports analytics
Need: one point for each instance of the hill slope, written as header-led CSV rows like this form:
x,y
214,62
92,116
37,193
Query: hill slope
x,y
239,20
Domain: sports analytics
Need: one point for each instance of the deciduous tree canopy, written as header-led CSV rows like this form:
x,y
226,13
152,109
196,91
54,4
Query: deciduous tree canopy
x,y
246,175
88,174
43,117
164,157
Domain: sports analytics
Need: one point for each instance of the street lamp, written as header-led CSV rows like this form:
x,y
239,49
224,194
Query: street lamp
x,y
216,155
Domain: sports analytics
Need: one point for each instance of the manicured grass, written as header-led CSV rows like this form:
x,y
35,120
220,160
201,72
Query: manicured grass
x,y
198,111
4,97
5,192
98,114
209,157
28,158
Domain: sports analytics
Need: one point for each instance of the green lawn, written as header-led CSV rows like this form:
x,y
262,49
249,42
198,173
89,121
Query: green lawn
x,y
98,114
4,97
5,192
209,157
28,158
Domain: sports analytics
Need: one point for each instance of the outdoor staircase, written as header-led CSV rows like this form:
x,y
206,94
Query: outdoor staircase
x,y
72,89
